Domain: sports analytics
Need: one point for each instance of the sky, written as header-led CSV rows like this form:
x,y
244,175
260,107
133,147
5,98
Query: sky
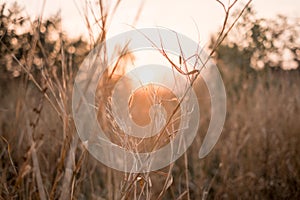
x,y
193,18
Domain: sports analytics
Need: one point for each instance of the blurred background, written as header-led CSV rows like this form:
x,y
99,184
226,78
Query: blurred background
x,y
42,45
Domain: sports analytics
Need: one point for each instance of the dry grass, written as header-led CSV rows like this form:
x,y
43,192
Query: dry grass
x,y
257,156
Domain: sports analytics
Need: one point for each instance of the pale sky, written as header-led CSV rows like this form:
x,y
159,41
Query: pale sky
x,y
181,16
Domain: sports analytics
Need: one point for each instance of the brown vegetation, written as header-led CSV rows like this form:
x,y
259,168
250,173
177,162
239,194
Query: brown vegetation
x,y
41,156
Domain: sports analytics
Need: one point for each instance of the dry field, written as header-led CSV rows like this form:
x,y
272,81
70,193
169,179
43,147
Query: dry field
x,y
41,156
